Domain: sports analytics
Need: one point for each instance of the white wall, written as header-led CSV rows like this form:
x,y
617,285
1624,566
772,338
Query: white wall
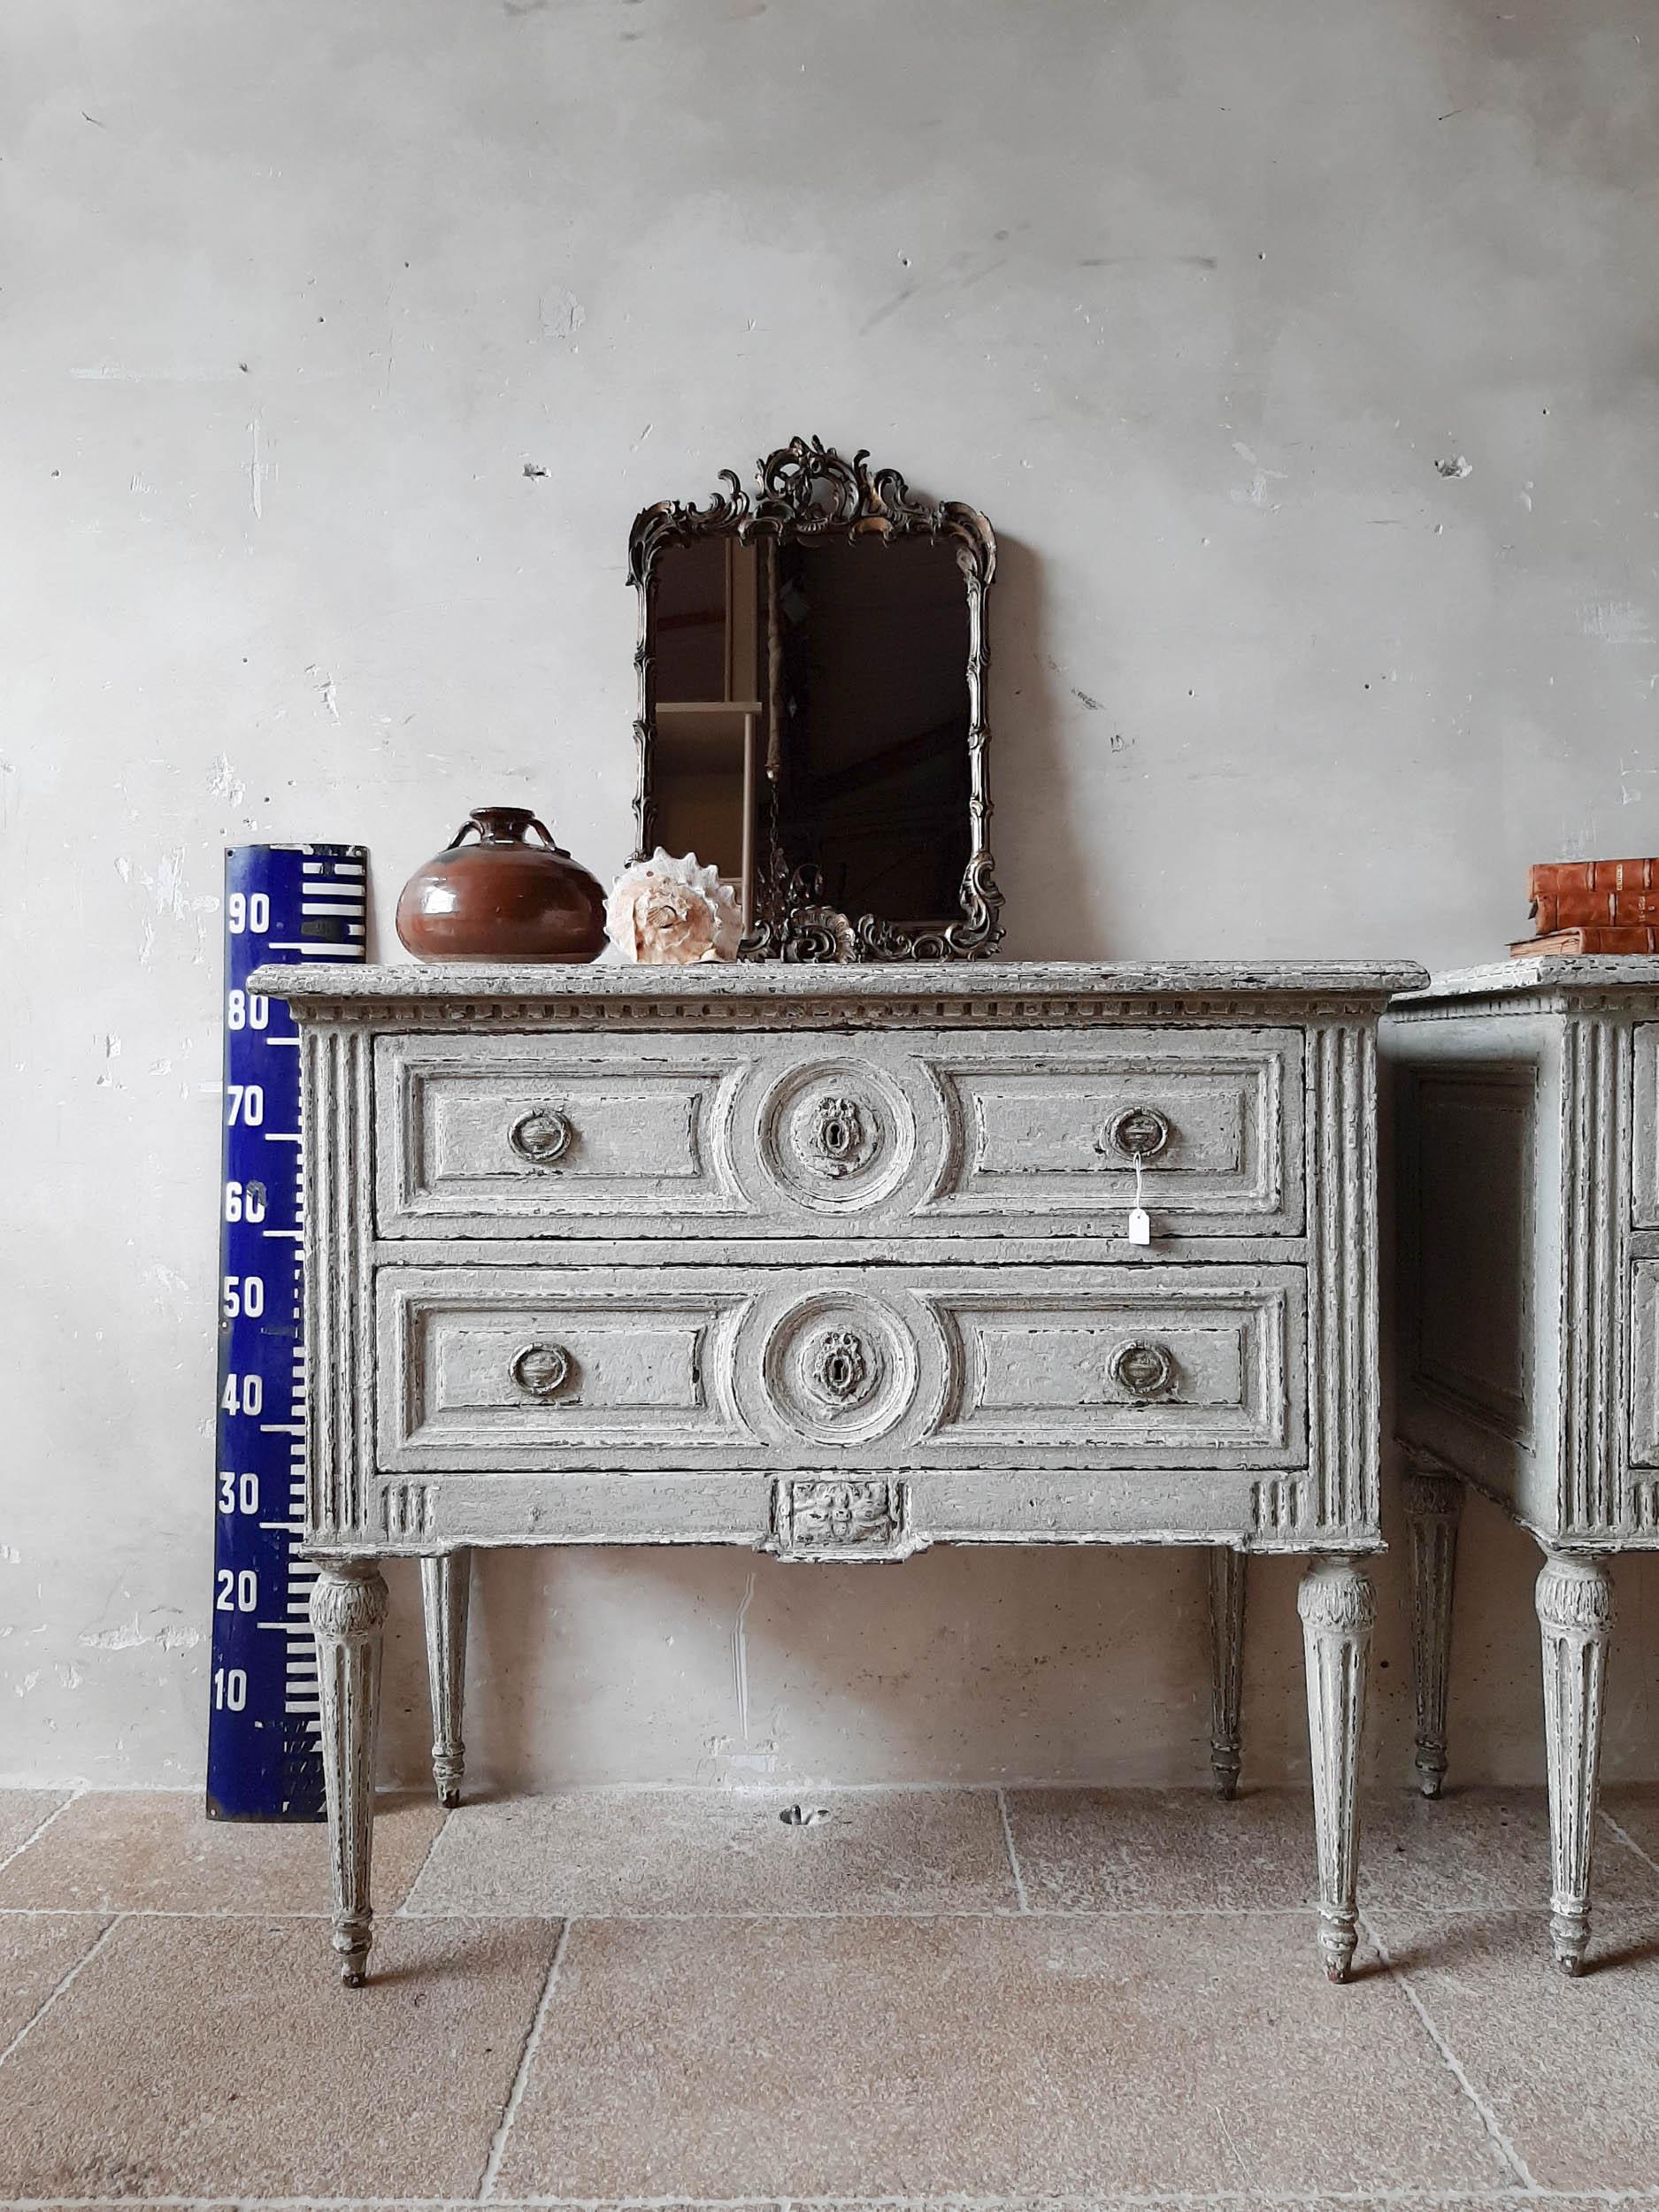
x,y
1194,299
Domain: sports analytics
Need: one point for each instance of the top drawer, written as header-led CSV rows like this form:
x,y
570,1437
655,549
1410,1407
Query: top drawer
x,y
894,1133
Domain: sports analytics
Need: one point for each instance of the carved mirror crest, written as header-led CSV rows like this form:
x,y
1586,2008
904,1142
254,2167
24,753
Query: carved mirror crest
x,y
811,706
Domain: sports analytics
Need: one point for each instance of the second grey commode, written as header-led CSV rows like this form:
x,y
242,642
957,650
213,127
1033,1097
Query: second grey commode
x,y
1528,1348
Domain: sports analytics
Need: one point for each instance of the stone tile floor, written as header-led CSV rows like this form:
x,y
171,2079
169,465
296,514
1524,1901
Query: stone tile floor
x,y
1056,1998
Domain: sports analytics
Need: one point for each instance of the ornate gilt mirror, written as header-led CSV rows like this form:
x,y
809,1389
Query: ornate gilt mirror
x,y
811,706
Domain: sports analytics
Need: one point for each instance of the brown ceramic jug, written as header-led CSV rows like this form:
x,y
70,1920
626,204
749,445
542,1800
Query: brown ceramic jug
x,y
503,898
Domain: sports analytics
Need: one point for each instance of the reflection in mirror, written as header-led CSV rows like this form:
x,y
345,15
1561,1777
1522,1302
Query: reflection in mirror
x,y
812,681
872,790
710,756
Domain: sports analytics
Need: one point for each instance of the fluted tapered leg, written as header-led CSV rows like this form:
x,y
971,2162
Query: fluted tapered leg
x,y
1227,1664
445,1584
348,1620
1434,1505
1338,1607
1575,1614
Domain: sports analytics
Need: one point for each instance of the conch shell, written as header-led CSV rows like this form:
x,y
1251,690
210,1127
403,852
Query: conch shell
x,y
664,912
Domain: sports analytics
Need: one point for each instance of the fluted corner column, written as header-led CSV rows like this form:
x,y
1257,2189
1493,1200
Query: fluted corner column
x,y
1434,1505
446,1584
348,1620
1338,1607
1227,1665
1575,1615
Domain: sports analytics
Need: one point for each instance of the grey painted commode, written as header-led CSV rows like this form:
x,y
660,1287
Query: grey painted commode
x,y
836,1262
1528,1257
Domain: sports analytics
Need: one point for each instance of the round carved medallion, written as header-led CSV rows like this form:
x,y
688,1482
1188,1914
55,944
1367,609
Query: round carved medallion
x,y
842,1366
836,1138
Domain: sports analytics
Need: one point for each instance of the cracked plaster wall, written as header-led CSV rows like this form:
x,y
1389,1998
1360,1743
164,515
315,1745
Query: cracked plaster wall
x,y
1303,357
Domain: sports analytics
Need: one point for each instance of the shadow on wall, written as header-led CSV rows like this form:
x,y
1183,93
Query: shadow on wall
x,y
1034,834
980,1665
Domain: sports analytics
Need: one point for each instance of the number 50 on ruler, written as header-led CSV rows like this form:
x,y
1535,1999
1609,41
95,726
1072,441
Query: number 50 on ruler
x,y
286,902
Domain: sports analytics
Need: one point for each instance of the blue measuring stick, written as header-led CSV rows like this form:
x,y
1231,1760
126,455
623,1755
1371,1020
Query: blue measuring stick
x,y
293,902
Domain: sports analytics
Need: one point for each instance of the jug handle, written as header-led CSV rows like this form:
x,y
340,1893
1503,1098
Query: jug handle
x,y
460,835
553,844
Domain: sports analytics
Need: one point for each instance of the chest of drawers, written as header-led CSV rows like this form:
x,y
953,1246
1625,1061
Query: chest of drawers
x,y
835,1262
1528,1106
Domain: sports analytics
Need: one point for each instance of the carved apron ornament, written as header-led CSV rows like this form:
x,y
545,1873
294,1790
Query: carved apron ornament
x,y
827,1518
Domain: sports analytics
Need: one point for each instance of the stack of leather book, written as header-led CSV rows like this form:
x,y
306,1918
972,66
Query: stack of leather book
x,y
1592,906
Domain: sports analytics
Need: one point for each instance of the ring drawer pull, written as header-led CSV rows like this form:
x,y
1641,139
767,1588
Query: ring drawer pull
x,y
541,1370
1141,1132
1145,1371
542,1136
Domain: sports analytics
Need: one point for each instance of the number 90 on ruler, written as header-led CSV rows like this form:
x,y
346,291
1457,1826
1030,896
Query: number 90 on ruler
x,y
295,903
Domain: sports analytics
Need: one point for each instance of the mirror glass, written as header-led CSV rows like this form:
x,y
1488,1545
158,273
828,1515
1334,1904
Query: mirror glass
x,y
854,652
811,697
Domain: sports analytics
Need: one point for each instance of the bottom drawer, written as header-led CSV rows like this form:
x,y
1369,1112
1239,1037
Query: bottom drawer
x,y
544,1368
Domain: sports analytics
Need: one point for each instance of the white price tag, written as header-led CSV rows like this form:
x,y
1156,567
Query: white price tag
x,y
1140,1220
